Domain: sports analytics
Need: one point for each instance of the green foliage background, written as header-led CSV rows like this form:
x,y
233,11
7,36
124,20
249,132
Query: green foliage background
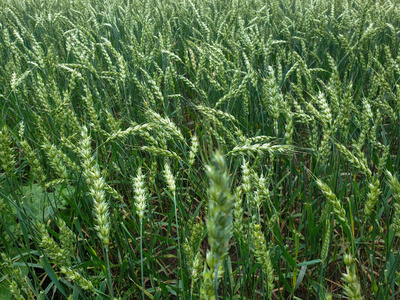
x,y
300,97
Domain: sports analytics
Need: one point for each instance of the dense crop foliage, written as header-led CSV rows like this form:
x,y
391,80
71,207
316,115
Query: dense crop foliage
x,y
199,149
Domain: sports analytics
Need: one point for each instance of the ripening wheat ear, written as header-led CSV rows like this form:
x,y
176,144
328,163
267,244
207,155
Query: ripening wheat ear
x,y
352,288
55,162
193,149
338,209
170,178
372,197
7,156
33,162
272,97
394,185
261,253
97,187
238,212
218,224
140,193
140,203
358,163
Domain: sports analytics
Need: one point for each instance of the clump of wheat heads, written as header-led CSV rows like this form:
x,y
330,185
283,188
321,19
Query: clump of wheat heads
x,y
18,282
62,256
218,224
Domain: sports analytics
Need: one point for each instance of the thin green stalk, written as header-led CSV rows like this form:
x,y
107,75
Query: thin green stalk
x,y
179,245
141,256
109,279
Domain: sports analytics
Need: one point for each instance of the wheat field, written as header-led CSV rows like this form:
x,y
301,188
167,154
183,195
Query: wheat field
x,y
199,149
